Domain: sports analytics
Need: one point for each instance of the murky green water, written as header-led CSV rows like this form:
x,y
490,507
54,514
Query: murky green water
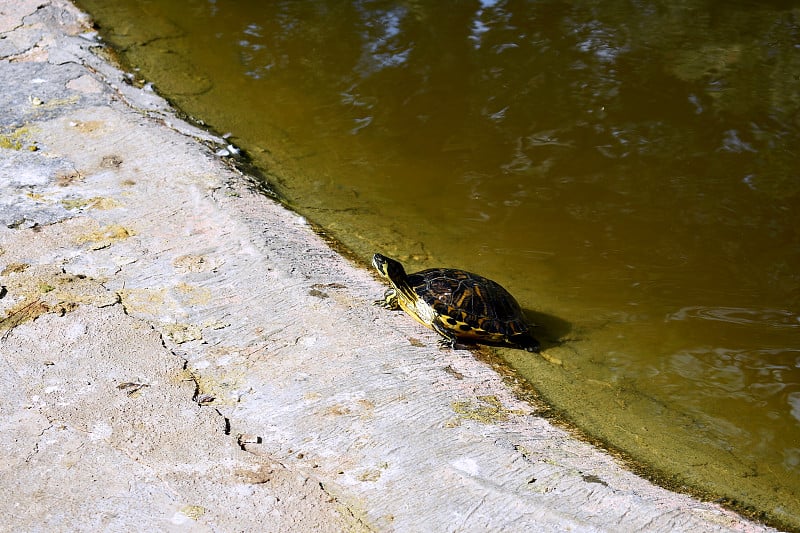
x,y
630,170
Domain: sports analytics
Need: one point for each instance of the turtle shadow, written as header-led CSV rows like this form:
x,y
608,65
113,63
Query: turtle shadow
x,y
549,330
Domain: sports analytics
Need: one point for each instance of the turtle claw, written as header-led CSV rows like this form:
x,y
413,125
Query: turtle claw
x,y
386,304
389,300
447,344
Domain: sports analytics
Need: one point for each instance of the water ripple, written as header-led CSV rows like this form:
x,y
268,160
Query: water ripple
x,y
771,318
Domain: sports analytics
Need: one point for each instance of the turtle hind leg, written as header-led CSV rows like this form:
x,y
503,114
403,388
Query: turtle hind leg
x,y
526,342
448,339
389,300
447,343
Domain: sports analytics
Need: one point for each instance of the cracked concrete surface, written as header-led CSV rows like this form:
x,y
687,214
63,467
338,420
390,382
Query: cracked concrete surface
x,y
179,352
101,434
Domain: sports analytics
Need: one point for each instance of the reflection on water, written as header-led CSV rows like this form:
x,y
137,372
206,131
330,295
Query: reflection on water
x,y
628,167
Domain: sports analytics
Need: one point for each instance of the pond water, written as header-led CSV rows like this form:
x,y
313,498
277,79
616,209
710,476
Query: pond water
x,y
630,170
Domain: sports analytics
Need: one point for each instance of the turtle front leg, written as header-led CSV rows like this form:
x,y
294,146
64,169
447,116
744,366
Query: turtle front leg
x,y
389,300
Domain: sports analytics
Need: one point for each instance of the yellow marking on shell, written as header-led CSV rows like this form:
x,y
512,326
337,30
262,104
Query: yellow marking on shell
x,y
476,293
462,329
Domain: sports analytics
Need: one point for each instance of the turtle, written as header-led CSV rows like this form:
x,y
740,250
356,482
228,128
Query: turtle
x,y
456,304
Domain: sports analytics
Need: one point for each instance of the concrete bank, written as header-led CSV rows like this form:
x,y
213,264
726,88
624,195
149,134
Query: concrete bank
x,y
178,352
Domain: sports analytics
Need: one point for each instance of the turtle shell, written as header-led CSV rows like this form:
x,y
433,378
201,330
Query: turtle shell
x,y
470,305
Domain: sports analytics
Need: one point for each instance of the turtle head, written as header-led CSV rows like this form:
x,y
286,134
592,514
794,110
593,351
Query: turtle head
x,y
388,268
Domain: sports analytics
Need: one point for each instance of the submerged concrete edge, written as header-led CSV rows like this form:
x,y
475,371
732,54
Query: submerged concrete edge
x,y
179,352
